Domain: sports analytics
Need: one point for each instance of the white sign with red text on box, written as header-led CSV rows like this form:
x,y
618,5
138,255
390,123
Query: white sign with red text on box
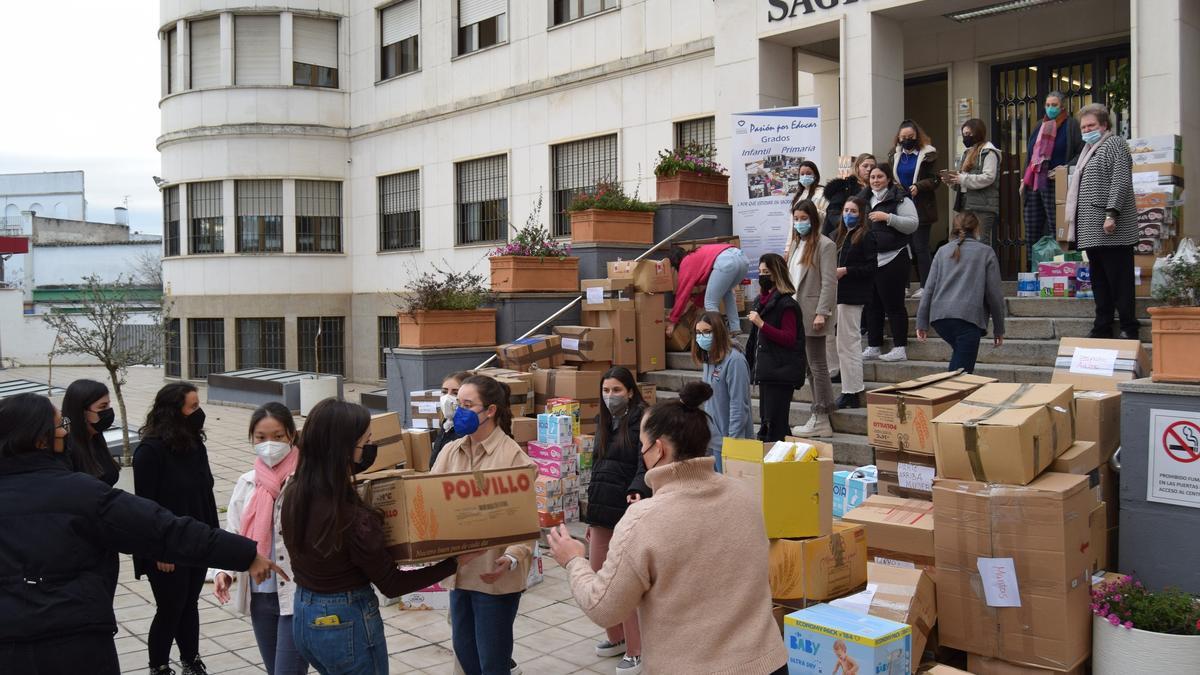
x,y
1173,469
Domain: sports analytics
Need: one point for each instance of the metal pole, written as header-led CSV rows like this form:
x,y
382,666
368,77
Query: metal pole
x,y
671,237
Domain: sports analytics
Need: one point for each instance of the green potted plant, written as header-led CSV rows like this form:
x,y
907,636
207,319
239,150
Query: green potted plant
x,y
608,215
1133,627
443,308
1175,326
533,260
691,174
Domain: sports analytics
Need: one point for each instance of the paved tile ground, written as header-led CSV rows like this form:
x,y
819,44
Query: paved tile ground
x,y
553,636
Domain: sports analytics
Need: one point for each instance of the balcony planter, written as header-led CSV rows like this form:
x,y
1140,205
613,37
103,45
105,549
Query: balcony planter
x,y
448,328
519,274
691,186
1117,650
602,226
1175,333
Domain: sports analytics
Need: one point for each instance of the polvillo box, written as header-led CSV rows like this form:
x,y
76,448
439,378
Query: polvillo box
x,y
901,595
818,568
1005,433
434,516
899,415
899,531
388,435
796,497
823,639
581,344
1099,365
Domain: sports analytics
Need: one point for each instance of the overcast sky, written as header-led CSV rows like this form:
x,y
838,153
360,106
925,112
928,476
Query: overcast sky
x,y
81,89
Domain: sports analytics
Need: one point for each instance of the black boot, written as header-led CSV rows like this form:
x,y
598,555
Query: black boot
x,y
194,667
848,401
162,670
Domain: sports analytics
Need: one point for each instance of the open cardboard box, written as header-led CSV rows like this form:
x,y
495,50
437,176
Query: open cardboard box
x,y
899,415
797,497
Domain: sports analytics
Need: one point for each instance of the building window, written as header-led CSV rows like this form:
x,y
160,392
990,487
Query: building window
x,y
322,344
315,52
482,200
260,343
389,336
259,216
172,59
256,49
701,131
171,220
481,24
206,231
318,216
578,167
206,347
399,28
569,10
205,48
400,211
171,360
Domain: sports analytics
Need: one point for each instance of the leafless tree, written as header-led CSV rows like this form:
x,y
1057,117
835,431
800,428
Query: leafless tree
x,y
147,269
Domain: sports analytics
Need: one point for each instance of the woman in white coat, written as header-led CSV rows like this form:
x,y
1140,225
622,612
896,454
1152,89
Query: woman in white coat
x,y
254,510
812,262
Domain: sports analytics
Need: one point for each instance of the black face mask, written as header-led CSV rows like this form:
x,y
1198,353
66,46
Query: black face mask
x,y
195,421
968,140
909,144
370,452
106,419
766,283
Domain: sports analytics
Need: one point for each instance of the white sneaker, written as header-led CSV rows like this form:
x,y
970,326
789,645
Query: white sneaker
x,y
630,665
606,649
919,292
871,353
818,427
897,354
806,428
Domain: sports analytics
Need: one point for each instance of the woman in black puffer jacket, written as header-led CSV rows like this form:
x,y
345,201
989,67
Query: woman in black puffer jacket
x,y
839,190
775,349
617,481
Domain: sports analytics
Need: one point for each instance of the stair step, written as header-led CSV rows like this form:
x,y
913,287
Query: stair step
x,y
1042,328
844,421
902,371
673,380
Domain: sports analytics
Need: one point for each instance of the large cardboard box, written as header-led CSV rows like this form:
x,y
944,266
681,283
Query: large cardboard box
x,y
1005,433
580,385
542,351
901,595
819,568
524,429
1143,271
1098,419
604,295
1098,550
1099,365
425,408
581,344
388,434
419,443
899,531
646,276
680,339
905,474
623,322
825,639
435,516
982,665
651,341
797,497
1081,459
1012,569
899,415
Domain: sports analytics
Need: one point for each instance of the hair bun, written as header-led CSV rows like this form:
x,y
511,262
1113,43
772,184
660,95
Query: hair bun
x,y
694,394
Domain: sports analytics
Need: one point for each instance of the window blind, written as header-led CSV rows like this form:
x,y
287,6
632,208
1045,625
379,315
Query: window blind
x,y
318,198
482,180
400,21
206,53
204,200
256,50
400,192
259,197
474,11
315,41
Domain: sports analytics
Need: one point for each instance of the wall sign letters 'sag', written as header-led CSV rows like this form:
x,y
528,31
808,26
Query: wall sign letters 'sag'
x,y
788,9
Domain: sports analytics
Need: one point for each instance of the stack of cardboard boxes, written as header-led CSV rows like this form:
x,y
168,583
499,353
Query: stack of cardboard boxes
x,y
630,303
557,459
680,339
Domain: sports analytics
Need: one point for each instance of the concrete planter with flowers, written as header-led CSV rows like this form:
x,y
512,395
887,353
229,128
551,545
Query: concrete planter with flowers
x,y
609,216
443,308
1135,630
533,261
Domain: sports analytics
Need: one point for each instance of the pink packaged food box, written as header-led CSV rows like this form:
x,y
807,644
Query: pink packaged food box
x,y
1058,269
550,451
556,468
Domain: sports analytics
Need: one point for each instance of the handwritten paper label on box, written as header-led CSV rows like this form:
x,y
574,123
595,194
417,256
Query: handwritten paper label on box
x,y
595,295
570,344
427,408
1142,177
999,578
903,564
915,476
1100,362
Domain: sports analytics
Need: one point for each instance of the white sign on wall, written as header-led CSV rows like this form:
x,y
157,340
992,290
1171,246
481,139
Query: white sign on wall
x,y
1173,470
768,147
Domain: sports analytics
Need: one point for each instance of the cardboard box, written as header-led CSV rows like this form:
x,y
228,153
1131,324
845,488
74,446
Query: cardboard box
x,y
899,531
900,595
941,669
1056,287
545,486
524,429
899,415
581,344
649,392
1099,365
1099,541
520,393
651,323
419,443
554,429
1081,459
435,596
905,474
425,408
1033,542
680,339
551,518
565,406
1143,271
388,435
851,488
646,276
825,639
542,351
623,322
1057,269
582,386
604,295
797,497
982,665
557,468
1005,433
819,568
552,452
1061,182
434,516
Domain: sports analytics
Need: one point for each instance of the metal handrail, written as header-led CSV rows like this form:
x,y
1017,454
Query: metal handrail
x,y
669,238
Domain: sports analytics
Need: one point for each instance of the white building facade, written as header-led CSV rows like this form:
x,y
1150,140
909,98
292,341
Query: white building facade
x,y
49,194
318,153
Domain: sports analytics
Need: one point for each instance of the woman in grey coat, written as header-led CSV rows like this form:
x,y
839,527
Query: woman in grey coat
x,y
1102,220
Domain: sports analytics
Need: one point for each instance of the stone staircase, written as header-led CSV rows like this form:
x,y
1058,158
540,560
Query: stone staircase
x,y
1033,329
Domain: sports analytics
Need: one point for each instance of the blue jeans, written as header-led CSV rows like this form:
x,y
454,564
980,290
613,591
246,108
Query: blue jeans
x,y
483,630
273,632
728,270
963,337
353,646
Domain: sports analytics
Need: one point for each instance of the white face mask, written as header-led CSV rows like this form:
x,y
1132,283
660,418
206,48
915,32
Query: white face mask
x,y
449,405
272,452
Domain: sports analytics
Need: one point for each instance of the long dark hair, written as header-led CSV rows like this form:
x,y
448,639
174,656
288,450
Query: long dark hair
x,y
166,420
683,421
811,189
626,437
922,137
779,272
25,421
722,344
814,234
863,223
321,503
493,392
276,411
80,396
979,135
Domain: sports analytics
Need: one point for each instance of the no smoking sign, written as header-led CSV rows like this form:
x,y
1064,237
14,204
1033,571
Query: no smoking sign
x,y
1173,475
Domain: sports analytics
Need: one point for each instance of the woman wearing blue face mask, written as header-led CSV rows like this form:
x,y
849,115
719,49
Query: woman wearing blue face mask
x,y
810,187
728,373
812,261
1055,141
856,266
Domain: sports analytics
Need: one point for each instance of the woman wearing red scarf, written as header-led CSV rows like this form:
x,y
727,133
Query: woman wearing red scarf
x,y
253,512
1054,142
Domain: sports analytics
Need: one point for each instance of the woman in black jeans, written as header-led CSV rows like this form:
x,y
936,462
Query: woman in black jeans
x,y
893,219
776,347
87,404
170,466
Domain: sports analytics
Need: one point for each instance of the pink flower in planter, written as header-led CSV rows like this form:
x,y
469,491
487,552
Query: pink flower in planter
x,y
1129,625
1114,619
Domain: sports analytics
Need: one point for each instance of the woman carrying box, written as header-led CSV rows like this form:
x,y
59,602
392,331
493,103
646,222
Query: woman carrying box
x,y
718,268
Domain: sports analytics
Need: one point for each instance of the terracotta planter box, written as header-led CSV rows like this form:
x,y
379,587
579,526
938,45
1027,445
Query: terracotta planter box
x,y
693,187
1175,333
517,274
599,226
448,328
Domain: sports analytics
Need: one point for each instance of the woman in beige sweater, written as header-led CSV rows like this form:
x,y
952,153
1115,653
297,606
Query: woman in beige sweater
x,y
662,562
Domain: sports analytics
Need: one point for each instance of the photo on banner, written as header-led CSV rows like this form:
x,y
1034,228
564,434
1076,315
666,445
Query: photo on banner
x,y
768,147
